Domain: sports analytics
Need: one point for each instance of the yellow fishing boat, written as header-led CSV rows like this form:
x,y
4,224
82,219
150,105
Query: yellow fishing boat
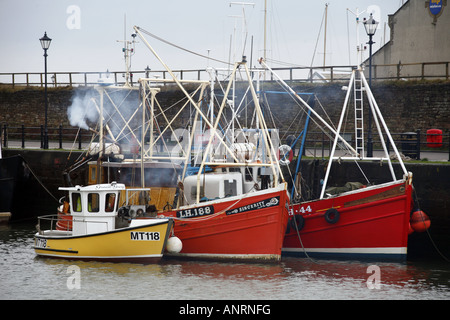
x,y
101,226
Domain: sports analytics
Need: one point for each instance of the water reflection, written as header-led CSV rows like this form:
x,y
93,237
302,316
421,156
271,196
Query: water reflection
x,y
26,276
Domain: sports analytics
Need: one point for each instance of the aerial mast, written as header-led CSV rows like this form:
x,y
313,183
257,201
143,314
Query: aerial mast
x,y
128,51
359,46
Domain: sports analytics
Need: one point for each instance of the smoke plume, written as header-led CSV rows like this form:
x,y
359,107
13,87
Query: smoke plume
x,y
83,109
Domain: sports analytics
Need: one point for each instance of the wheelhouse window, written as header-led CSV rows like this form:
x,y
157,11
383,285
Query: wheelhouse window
x,y
110,202
230,187
76,202
93,202
92,174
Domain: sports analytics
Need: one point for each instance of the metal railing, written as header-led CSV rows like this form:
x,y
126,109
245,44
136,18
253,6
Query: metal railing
x,y
33,137
416,145
399,71
411,71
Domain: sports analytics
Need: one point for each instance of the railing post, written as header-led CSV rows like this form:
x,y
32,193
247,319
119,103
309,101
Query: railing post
x,y
79,141
5,136
418,144
42,136
446,71
323,145
388,144
60,136
449,146
23,136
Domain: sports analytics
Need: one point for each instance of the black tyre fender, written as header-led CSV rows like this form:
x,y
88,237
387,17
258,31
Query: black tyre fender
x,y
297,222
332,216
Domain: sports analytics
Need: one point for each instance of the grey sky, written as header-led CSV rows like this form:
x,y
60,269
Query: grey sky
x,y
85,32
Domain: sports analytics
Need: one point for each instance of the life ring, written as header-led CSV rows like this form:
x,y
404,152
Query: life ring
x,y
332,216
283,150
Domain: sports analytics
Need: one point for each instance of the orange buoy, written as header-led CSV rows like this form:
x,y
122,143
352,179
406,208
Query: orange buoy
x,y
419,221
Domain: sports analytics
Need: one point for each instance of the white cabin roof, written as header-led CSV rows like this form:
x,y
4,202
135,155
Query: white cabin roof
x,y
97,187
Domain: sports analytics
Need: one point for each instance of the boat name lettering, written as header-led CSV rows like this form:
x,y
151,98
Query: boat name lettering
x,y
145,236
257,205
195,212
41,243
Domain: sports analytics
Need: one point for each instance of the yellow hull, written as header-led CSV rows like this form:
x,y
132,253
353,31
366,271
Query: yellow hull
x,y
144,243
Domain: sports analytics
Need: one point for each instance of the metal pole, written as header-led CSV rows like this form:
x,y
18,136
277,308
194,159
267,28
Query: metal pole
x,y
369,133
46,102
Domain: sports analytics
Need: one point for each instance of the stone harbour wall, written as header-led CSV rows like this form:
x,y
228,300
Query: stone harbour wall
x,y
406,106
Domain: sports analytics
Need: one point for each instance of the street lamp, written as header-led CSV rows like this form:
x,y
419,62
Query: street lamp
x,y
45,43
371,27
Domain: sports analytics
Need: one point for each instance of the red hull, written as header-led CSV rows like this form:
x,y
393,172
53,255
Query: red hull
x,y
372,222
248,227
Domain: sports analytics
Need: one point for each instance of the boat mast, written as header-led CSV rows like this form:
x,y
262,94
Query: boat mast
x,y
325,36
359,46
265,30
101,139
128,51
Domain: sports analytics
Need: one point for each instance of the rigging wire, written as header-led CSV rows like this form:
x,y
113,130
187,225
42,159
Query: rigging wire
x,y
181,48
284,63
318,36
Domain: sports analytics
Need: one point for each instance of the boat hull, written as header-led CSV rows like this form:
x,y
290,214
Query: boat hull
x,y
250,227
372,223
144,243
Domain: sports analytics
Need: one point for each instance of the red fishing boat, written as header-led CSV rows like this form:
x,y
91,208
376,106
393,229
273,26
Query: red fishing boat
x,y
368,222
240,227
357,221
235,204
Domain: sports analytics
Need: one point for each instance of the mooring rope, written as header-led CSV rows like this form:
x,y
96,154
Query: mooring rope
x,y
40,182
428,232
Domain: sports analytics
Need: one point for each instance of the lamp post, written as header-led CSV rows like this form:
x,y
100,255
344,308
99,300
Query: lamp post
x,y
371,27
45,43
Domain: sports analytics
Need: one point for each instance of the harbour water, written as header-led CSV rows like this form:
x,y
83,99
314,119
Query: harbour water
x,y
26,276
